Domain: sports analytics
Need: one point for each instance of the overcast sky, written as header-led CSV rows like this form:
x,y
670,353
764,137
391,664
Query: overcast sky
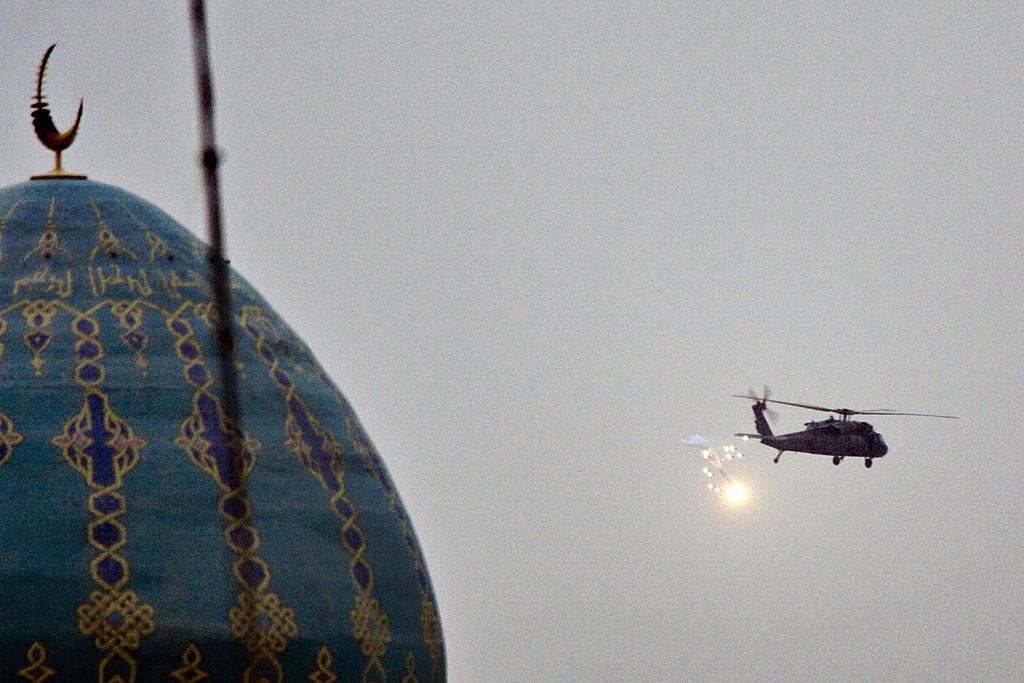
x,y
537,246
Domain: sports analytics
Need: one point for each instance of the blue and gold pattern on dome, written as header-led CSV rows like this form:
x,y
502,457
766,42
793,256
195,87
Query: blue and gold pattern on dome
x,y
130,548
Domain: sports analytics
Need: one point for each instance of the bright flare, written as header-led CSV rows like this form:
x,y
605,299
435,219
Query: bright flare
x,y
735,494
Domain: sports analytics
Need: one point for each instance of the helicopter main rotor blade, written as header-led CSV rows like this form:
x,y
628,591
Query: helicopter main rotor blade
x,y
789,403
891,412
847,412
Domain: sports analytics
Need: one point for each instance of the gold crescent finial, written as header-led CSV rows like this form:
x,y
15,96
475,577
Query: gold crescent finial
x,y
45,129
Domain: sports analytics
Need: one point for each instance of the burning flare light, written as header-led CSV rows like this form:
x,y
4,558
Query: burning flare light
x,y
735,493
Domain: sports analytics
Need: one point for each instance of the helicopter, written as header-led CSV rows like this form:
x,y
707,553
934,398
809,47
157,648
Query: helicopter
x,y
841,438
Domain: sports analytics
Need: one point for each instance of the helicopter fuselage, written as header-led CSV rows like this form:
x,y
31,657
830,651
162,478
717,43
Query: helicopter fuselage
x,y
841,439
838,438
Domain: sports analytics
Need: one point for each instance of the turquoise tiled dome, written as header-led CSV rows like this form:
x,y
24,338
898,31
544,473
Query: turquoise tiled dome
x,y
128,544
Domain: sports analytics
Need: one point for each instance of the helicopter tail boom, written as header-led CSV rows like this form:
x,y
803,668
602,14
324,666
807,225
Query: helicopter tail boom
x,y
760,422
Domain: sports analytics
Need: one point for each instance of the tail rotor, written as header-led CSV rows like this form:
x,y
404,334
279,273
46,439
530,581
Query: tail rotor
x,y
762,403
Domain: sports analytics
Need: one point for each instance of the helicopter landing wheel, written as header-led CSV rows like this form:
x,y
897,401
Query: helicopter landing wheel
x,y
867,463
836,460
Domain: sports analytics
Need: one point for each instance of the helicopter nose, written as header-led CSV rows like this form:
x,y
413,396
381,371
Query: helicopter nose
x,y
880,446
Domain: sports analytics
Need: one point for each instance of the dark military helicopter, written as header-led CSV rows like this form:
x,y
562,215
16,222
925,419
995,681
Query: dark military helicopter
x,y
840,438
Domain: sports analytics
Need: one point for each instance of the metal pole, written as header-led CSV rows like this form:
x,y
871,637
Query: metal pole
x,y
210,162
219,280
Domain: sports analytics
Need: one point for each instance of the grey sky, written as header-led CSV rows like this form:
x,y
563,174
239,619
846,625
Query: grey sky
x,y
537,246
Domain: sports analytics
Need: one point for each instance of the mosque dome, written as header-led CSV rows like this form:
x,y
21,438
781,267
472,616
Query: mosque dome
x,y
129,545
